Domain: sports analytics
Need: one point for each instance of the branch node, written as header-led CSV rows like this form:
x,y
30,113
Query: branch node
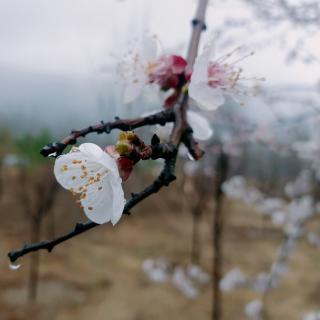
x,y
79,226
53,149
155,140
195,22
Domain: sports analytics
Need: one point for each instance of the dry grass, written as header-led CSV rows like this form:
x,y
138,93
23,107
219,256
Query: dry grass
x,y
98,275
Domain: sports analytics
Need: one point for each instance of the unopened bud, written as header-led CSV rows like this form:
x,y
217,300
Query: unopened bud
x,y
123,148
127,136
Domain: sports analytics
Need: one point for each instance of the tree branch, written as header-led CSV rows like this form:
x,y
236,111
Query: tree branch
x,y
181,132
161,118
164,179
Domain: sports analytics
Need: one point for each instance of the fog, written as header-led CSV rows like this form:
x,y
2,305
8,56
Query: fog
x,y
52,55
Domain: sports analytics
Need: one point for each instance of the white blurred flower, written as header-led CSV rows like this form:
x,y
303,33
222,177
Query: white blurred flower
x,y
254,309
233,279
200,125
156,270
278,217
314,315
300,209
279,268
253,196
184,284
235,187
301,186
313,239
260,283
215,80
196,273
270,205
93,175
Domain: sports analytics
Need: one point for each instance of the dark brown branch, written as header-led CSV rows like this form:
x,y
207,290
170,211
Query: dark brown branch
x,y
164,179
161,118
181,133
192,145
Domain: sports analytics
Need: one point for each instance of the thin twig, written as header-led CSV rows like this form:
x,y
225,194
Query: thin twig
x,y
164,179
181,132
161,118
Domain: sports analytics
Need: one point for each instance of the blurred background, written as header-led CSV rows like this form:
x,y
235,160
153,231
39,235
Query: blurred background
x,y
57,73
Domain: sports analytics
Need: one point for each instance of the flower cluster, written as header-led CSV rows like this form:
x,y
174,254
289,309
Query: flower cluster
x,y
188,279
211,82
95,175
292,217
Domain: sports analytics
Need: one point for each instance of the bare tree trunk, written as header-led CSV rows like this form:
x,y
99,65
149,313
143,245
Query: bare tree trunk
x,y
34,261
45,192
222,170
195,247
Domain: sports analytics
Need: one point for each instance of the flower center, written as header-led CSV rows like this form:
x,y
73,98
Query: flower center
x,y
222,75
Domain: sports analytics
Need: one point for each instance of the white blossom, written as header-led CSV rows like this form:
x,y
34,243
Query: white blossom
x,y
156,270
233,279
301,186
196,273
313,239
270,205
279,217
235,187
134,67
215,80
93,175
184,284
200,125
254,309
314,315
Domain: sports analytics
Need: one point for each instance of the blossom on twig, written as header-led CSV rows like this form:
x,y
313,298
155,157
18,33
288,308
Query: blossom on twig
x,y
215,80
145,66
93,175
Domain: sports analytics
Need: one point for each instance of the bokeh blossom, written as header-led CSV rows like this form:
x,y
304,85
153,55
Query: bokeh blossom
x,y
200,125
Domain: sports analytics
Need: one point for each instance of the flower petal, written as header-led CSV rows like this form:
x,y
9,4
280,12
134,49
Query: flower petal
x,y
200,68
149,48
200,126
132,91
68,170
97,204
91,150
234,101
95,153
118,201
208,98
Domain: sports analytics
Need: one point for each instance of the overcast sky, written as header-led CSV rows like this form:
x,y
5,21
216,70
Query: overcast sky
x,y
51,53
76,36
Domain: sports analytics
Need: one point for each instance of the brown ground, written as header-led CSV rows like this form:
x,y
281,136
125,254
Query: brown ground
x,y
98,275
